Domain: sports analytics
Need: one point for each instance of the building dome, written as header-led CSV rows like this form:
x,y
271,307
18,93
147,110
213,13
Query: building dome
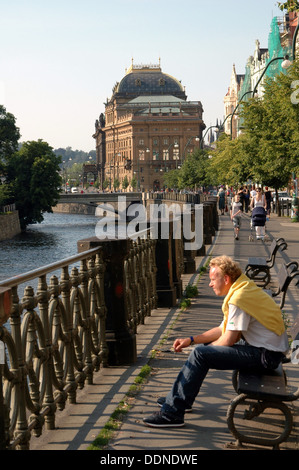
x,y
148,80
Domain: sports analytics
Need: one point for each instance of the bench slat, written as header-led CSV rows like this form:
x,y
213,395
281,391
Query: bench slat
x,y
270,384
255,261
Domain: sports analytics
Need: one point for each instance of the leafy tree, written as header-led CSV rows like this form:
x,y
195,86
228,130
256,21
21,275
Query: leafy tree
x,y
134,182
290,5
189,173
267,151
33,173
9,137
272,131
172,179
193,173
125,183
5,193
116,183
106,184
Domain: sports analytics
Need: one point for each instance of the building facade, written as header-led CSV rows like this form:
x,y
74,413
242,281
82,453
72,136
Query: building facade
x,y
279,45
231,101
147,129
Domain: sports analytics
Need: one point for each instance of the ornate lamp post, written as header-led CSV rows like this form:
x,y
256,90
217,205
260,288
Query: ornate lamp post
x,y
138,169
211,127
193,137
294,216
285,64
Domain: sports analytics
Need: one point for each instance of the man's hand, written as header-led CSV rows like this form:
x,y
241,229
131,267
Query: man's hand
x,y
181,343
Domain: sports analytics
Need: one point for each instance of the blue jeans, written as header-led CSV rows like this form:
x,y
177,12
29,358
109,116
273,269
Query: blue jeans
x,y
200,360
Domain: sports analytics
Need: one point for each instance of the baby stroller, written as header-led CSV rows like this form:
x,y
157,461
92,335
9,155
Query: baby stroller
x,y
258,219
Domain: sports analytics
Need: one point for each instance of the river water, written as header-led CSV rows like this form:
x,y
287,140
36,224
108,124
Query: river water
x,y
52,240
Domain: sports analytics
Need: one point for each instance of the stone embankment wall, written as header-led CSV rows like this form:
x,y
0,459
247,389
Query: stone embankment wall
x,y
73,208
9,225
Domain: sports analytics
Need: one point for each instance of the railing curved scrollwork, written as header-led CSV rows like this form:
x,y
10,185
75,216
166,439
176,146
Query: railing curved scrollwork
x,y
55,337
140,281
54,341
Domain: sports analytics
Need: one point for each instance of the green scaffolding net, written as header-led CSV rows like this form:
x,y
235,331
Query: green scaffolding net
x,y
275,48
278,31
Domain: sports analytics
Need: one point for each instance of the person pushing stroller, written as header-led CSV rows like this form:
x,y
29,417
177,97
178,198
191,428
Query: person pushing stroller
x,y
258,215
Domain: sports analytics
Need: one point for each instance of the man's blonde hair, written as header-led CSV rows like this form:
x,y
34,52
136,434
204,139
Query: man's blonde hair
x,y
228,266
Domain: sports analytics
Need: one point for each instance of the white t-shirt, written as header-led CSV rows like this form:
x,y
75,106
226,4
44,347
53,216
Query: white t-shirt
x,y
254,332
236,206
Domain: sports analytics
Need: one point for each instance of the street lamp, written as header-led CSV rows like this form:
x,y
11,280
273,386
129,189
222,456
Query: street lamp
x,y
175,145
203,137
138,170
193,137
295,195
285,64
294,41
234,111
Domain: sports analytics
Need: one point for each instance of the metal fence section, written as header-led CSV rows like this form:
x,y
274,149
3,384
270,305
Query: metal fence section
x,y
140,281
60,323
54,341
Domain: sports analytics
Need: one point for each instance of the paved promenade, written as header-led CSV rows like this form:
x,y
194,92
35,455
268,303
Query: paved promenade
x,y
205,428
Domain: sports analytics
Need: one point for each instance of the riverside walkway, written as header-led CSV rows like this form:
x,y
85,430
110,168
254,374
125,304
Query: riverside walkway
x,y
205,428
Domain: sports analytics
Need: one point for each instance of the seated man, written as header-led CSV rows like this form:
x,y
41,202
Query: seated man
x,y
248,312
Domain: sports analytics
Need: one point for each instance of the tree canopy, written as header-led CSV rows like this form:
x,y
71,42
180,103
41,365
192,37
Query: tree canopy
x,y
192,174
9,136
32,175
267,150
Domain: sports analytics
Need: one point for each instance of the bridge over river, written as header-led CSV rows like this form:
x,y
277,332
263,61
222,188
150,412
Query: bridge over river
x,y
95,199
87,203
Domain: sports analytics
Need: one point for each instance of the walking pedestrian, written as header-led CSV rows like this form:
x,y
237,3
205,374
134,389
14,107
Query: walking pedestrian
x,y
246,197
235,215
259,200
221,200
268,197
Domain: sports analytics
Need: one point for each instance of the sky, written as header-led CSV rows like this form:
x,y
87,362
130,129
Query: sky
x,y
59,60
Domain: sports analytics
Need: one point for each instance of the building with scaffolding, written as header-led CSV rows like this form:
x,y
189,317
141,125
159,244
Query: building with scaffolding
x,y
279,45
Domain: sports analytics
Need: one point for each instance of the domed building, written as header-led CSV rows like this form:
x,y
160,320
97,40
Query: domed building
x,y
148,128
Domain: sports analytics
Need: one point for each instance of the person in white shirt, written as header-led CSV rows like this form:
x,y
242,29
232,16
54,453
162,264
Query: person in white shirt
x,y
235,215
251,335
259,200
252,192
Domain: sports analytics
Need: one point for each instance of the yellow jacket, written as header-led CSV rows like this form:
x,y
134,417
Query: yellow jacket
x,y
253,300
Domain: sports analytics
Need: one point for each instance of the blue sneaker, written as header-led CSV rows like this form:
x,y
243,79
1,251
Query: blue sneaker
x,y
161,401
161,420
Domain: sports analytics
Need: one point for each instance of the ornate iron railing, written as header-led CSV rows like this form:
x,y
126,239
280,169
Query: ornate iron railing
x,y
55,337
140,281
54,342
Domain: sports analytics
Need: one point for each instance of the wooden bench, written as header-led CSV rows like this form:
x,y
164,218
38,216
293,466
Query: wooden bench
x,y
258,392
258,268
286,274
